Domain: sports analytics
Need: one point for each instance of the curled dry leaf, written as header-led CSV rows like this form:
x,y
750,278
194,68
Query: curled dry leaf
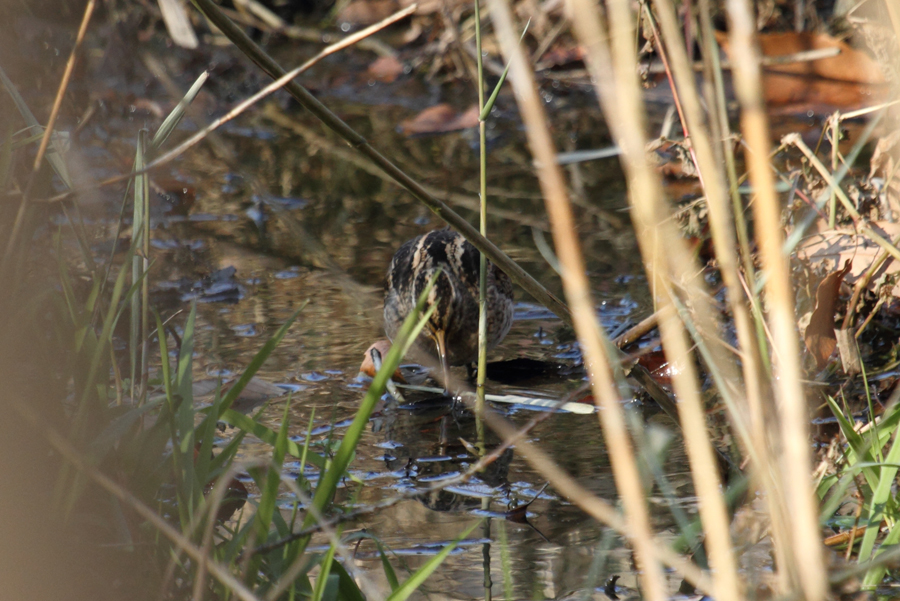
x,y
820,337
385,69
561,54
884,165
368,12
438,119
828,249
846,81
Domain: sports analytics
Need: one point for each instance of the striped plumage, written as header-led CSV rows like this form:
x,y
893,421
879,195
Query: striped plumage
x,y
453,327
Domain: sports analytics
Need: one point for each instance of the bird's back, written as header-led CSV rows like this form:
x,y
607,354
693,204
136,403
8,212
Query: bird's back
x,y
455,293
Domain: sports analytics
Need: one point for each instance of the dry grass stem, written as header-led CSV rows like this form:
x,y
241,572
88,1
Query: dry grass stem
x,y
624,114
577,290
806,560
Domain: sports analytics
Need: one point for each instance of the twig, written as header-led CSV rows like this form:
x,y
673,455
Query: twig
x,y
633,333
863,282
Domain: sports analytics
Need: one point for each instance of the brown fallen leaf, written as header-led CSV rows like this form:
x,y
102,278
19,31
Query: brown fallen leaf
x,y
846,81
820,337
385,69
828,249
439,119
367,12
885,164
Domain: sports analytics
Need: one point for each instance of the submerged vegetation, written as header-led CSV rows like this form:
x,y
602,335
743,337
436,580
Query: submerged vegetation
x,y
139,474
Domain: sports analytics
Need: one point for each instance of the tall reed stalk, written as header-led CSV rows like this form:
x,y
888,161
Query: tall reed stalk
x,y
482,219
593,342
805,566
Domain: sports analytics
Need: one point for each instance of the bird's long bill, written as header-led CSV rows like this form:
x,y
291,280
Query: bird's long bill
x,y
442,353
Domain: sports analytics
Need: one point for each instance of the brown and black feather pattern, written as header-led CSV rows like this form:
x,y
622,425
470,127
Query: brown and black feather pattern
x,y
455,293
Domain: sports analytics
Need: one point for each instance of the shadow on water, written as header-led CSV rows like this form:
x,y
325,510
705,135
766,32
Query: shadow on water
x,y
273,211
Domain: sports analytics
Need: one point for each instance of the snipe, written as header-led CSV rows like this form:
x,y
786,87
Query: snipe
x,y
453,328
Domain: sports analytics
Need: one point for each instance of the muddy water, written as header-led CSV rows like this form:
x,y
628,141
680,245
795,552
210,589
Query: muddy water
x,y
352,222
301,219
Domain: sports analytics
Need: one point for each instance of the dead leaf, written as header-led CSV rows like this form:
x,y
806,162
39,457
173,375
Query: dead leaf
x,y
561,54
385,69
439,119
178,23
828,249
367,12
820,337
846,81
884,165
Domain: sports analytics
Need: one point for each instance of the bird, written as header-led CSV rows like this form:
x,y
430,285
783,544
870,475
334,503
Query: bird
x,y
451,333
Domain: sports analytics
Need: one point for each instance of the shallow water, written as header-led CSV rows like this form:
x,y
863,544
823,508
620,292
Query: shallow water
x,y
303,220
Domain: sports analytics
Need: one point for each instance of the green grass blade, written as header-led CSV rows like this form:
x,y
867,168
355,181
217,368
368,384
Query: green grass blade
x,y
226,455
99,354
269,494
421,575
165,368
493,97
389,572
257,362
875,576
175,117
55,150
183,422
329,480
881,496
859,448
324,573
349,590
141,200
267,435
184,376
